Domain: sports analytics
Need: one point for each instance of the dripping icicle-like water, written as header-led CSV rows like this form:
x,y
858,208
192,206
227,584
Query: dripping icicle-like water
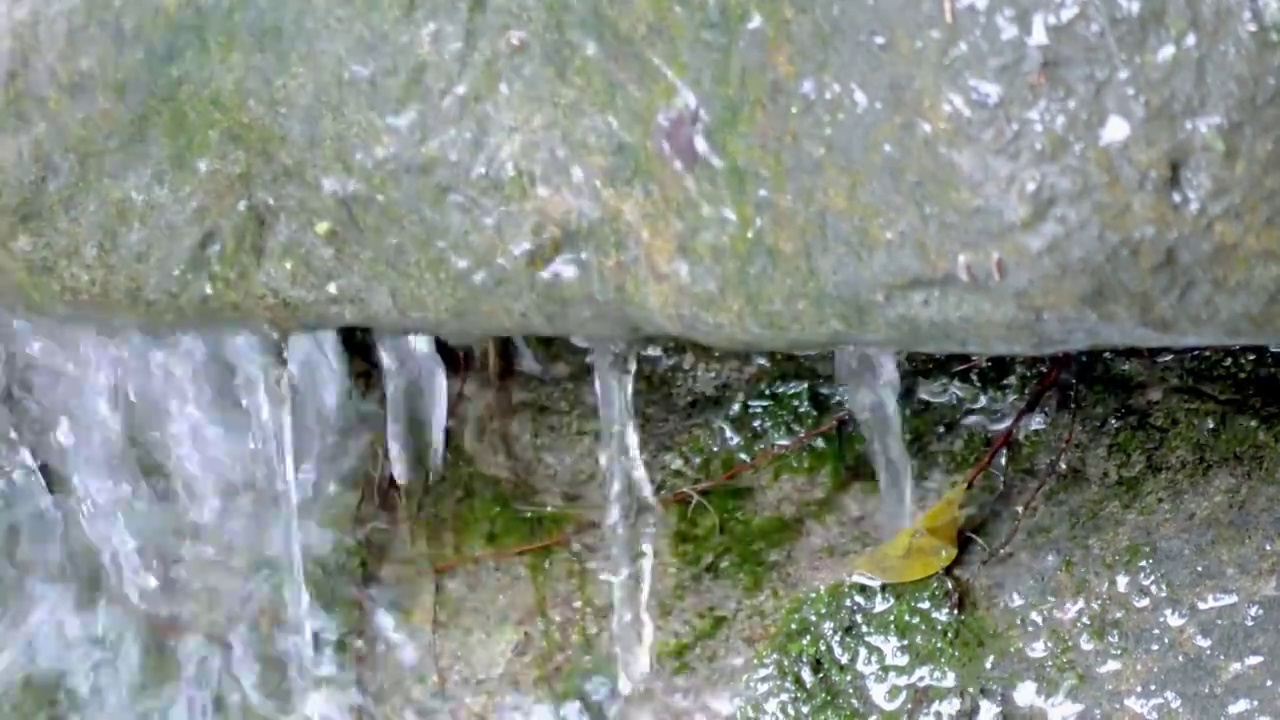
x,y
413,370
435,397
631,517
872,385
264,378
160,495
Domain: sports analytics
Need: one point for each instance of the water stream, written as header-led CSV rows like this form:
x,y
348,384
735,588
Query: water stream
x,y
872,386
175,512
165,500
168,502
417,398
631,517
160,508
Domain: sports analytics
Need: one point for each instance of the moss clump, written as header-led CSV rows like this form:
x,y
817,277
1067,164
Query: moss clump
x,y
851,651
469,512
1169,413
724,536
41,696
678,653
723,533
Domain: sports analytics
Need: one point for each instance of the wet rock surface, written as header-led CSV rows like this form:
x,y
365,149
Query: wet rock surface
x,y
1127,525
1138,581
1019,179
1148,566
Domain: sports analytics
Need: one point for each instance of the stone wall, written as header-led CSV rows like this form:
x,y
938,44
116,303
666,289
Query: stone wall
x,y
1005,178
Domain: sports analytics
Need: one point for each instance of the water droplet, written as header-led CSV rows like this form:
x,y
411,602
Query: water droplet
x,y
63,432
1217,600
1037,649
1115,131
1109,666
1241,705
1252,612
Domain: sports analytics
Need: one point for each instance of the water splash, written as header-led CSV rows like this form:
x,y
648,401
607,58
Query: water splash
x,y
872,385
631,516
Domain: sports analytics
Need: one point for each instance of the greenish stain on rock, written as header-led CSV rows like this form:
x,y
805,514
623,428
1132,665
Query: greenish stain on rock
x,y
722,532
679,653
468,512
1182,414
557,640
850,651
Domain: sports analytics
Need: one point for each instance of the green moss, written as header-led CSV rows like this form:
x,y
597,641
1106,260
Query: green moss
x,y
722,533
40,696
723,536
850,651
469,512
678,653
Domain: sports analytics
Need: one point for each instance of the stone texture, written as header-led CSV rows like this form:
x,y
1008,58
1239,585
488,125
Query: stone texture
x,y
1140,581
1024,179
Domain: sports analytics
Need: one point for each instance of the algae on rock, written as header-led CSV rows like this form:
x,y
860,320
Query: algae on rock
x,y
498,168
754,578
850,651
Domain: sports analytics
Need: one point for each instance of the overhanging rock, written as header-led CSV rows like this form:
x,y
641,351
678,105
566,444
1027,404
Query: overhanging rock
x,y
1028,177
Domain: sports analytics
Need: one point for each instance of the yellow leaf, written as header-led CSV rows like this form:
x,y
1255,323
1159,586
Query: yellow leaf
x,y
917,552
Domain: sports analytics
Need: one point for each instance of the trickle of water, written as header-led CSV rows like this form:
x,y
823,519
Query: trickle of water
x,y
399,431
159,499
872,386
631,516
263,379
435,396
411,369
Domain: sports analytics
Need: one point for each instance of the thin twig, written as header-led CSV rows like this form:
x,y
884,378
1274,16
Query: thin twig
x,y
691,493
1002,440
1000,549
697,498
949,11
509,553
756,462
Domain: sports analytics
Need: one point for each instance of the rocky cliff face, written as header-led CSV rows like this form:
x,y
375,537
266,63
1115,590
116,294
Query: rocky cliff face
x,y
978,177
1120,551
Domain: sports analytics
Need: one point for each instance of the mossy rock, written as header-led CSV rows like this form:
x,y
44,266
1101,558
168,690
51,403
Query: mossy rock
x,y
851,651
495,168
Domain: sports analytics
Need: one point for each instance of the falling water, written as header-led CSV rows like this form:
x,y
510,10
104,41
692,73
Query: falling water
x,y
160,500
435,397
631,516
872,384
266,384
412,369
